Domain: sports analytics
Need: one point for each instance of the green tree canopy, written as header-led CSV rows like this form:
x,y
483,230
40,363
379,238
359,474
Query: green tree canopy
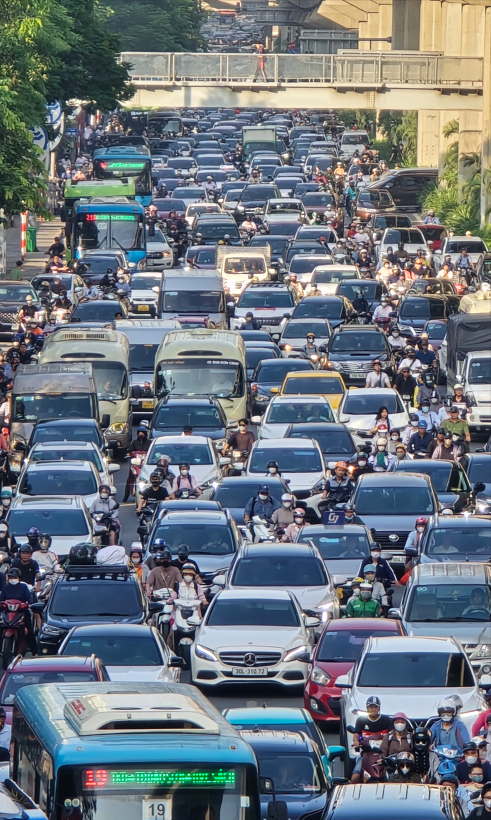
x,y
156,25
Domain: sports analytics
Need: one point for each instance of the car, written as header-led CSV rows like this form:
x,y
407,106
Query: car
x,y
415,311
368,203
212,552
305,247
403,799
72,282
253,199
415,671
342,547
291,769
276,245
337,309
251,634
316,232
198,451
411,238
233,493
438,286
300,463
371,289
99,310
335,440
358,408
74,451
205,416
304,264
165,206
200,256
453,538
436,330
326,278
434,234
379,222
196,208
214,227
267,301
256,353
448,600
269,375
65,518
285,410
320,383
391,509
91,595
129,652
79,430
59,478
449,480
452,246
12,297
297,568
34,671
335,653
406,185
95,265
283,209
318,202
144,299
293,338
286,185
478,469
159,252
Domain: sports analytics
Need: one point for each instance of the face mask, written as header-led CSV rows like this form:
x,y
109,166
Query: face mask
x,y
399,727
414,424
366,594
362,462
287,504
434,400
395,438
447,718
155,484
6,502
242,429
420,529
13,581
136,559
166,564
263,497
356,593
476,778
184,472
3,532
471,759
487,803
272,470
104,496
375,554
298,520
381,448
400,454
44,547
395,335
425,408
405,769
187,578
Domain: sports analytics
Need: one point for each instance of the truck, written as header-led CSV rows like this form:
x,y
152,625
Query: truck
x,y
243,265
465,357
258,138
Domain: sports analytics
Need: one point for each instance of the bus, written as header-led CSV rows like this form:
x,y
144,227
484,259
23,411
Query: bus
x,y
123,161
202,362
132,751
88,188
108,352
107,223
164,122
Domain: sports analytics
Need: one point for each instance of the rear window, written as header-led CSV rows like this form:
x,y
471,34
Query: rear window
x,y
473,246
318,310
358,342
316,385
252,298
115,650
97,599
367,404
395,236
422,309
346,645
299,330
57,482
278,371
279,571
410,500
292,460
18,680
408,670
338,546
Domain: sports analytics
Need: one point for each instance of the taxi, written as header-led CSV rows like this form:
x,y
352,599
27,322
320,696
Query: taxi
x,y
314,383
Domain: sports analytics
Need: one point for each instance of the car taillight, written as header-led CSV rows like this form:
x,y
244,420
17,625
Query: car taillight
x,y
254,388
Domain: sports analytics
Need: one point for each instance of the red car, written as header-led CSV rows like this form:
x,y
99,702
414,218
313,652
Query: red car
x,y
432,233
52,669
336,652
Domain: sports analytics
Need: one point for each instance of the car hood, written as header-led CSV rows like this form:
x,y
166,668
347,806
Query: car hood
x,y
176,431
210,565
139,674
148,295
308,597
61,544
272,430
230,638
344,566
303,481
418,703
467,632
397,420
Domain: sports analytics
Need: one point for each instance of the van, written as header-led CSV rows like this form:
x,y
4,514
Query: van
x,y
352,141
145,336
108,352
204,362
196,297
239,266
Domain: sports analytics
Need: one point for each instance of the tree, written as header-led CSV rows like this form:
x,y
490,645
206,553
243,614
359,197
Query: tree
x,y
156,25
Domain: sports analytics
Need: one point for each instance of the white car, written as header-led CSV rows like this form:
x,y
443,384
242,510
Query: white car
x,y
285,410
359,406
326,278
285,209
204,464
452,246
74,451
59,478
300,462
159,252
65,518
408,674
251,634
196,208
412,239
143,300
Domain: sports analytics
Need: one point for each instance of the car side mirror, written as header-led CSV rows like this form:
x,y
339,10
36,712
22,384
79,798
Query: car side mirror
x,y
479,487
274,390
20,446
311,623
411,552
219,580
335,751
176,661
256,419
105,421
395,614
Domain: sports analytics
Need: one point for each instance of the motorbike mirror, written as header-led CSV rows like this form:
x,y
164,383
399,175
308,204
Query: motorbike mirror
x,y
339,580
113,468
132,265
386,555
393,314
100,529
136,461
175,661
411,552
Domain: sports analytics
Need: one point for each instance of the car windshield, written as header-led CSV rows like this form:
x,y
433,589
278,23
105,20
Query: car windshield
x,y
202,416
364,405
395,236
212,232
202,539
472,245
252,612
325,277
317,199
17,680
276,372
290,773
206,256
479,468
142,357
72,454
65,432
358,342
284,207
331,442
279,571
375,197
51,405
410,670
115,650
409,500
141,282
303,264
244,264
337,545
298,413
415,308
310,308
252,298
57,482
256,354
96,599
449,602
311,384
392,221
296,330
277,245
345,645
259,192
290,460
233,494
63,522
98,311
480,372
370,290
191,377
436,330
446,477
10,293
192,301
455,541
194,454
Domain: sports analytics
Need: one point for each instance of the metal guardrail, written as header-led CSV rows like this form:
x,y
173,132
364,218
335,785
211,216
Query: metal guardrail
x,y
356,68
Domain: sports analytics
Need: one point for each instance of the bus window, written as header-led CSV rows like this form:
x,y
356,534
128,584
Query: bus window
x,y
102,231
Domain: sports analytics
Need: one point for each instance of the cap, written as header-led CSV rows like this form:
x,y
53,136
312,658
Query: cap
x,y
458,387
422,423
188,568
264,488
399,715
13,572
454,409
370,568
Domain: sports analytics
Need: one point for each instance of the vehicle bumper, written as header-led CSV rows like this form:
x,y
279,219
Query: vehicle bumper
x,y
142,408
49,642
322,702
160,264
216,673
143,310
479,419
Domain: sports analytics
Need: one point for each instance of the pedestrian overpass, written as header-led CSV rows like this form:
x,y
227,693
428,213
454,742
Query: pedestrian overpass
x,y
385,80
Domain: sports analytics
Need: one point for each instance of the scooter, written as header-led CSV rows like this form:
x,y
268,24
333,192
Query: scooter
x,y
162,620
187,620
13,626
137,457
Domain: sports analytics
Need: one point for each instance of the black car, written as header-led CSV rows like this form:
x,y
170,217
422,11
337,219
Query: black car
x,y
478,469
12,298
369,202
384,801
91,595
93,269
67,430
234,493
371,289
99,310
449,480
213,228
271,374
335,440
312,247
256,353
253,199
453,538
205,416
416,310
406,185
352,349
337,309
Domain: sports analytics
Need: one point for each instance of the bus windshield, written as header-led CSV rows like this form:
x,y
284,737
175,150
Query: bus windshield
x,y
110,380
201,377
102,231
34,406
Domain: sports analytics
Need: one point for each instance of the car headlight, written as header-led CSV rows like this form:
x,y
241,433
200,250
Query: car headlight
x,y
51,630
204,653
483,650
240,208
117,427
293,654
142,483
320,677
261,398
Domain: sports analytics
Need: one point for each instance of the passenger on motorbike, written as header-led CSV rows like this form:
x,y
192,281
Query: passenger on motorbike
x,y
403,769
16,590
426,762
283,516
188,589
462,795
425,355
360,303
140,444
185,481
8,546
365,606
293,529
421,439
62,302
44,556
383,571
449,730
373,723
153,493
426,414
108,507
381,458
383,311
378,589
123,285
471,758
339,487
183,558
261,504
163,575
362,467
136,563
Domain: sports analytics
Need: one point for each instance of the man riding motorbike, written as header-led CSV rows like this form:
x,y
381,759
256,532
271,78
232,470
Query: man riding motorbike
x,y
16,590
108,507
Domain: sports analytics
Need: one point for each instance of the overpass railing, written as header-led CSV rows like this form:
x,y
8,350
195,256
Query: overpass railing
x,y
356,68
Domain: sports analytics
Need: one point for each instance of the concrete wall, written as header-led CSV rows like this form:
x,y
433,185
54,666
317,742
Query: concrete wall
x,y
406,25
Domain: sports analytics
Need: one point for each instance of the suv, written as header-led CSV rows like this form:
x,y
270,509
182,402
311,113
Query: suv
x,y
91,595
205,416
453,538
388,800
12,297
214,227
352,349
406,185
253,199
268,302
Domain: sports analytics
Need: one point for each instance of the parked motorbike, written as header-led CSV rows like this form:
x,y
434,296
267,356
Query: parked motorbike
x,y
13,626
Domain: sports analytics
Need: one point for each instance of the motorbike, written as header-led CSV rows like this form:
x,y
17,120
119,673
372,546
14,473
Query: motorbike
x,y
384,323
239,458
372,768
452,753
162,620
261,530
106,520
137,457
187,620
13,626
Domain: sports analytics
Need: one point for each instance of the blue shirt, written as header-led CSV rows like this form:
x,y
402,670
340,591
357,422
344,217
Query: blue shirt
x,y
255,506
16,592
463,262
417,442
425,358
456,735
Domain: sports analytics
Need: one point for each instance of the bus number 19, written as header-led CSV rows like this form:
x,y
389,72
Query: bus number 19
x,y
153,810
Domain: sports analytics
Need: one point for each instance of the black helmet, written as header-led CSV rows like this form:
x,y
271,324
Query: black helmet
x,y
272,464
184,464
421,738
183,550
13,572
25,548
470,746
155,476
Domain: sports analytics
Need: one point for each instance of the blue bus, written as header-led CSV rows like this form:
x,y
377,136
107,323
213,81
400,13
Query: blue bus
x,y
105,223
123,162
130,751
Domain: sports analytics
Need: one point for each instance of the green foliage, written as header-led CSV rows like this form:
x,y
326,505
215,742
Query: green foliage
x,y
156,25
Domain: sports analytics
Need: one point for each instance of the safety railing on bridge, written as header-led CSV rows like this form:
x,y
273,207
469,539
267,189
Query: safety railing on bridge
x,y
354,68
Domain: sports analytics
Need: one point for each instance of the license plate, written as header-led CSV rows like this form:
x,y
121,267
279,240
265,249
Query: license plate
x,y
147,405
143,308
357,376
399,559
250,672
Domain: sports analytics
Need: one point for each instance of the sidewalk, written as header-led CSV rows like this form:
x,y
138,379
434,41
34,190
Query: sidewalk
x,y
34,262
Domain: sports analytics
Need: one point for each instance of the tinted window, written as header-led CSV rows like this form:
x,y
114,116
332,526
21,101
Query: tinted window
x,y
346,645
297,460
255,612
232,494
290,773
396,235
479,468
251,298
303,264
480,372
192,453
57,522
377,197
449,602
18,680
445,477
116,650
68,455
327,276
254,355
407,670
98,311
313,385
259,192
178,415
65,433
317,199
453,541
338,545
295,330
337,441
394,501
318,310
422,309
57,482
98,599
190,302
436,330
298,413
358,342
207,539
366,404
142,357
279,571
10,293
472,245
278,371
371,290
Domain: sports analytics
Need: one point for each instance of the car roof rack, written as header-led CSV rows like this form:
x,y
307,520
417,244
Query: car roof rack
x,y
267,285
101,571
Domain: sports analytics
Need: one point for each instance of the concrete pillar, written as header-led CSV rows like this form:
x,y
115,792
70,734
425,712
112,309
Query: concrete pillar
x,y
452,29
430,30
486,121
445,143
473,24
405,25
428,139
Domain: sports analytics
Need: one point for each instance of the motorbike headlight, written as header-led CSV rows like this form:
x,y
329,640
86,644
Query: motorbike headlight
x,y
204,653
117,427
294,654
142,484
320,677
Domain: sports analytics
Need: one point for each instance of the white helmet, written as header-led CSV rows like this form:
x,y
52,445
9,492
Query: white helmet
x,y
381,441
287,497
447,706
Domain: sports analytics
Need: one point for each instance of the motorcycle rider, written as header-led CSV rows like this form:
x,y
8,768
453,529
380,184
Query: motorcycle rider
x,y
426,414
426,762
283,516
8,546
183,558
378,589
139,444
365,606
261,504
339,487
377,377
16,590
362,466
421,439
29,309
380,458
415,536
396,341
471,757
404,765
399,739
44,556
5,502
250,322
384,309
383,570
242,439
106,505
449,730
155,492
310,348
136,563
451,780
28,568
427,390
409,360
32,536
163,575
293,529
405,383
424,354
360,303
185,481
373,723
